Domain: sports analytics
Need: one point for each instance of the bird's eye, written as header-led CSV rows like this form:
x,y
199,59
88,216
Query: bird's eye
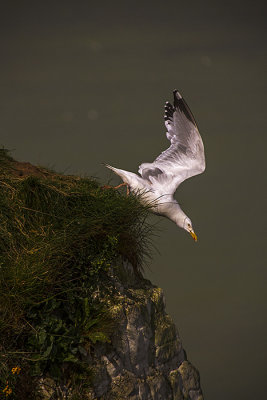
x,y
188,225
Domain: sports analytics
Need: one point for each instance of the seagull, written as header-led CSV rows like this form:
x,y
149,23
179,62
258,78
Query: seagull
x,y
158,181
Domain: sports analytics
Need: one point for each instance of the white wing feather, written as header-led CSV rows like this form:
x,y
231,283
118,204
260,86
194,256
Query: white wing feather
x,y
185,156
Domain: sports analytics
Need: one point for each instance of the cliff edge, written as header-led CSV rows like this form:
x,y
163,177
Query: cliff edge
x,y
77,318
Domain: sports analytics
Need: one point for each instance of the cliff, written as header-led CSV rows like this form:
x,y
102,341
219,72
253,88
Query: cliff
x,y
145,359
78,320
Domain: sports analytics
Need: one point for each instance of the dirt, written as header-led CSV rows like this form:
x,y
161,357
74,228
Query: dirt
x,y
26,169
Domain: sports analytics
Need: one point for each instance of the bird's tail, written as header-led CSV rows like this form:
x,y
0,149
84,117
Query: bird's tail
x,y
115,170
126,176
110,167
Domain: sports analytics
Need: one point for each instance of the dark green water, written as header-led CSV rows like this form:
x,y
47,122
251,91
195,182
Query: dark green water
x,y
84,84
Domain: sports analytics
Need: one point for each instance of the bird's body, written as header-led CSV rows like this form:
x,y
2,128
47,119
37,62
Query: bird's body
x,y
184,158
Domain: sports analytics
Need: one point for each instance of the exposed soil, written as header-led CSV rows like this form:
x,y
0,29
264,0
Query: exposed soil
x,y
27,169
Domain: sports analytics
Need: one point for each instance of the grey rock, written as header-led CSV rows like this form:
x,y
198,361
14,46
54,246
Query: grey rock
x,y
145,360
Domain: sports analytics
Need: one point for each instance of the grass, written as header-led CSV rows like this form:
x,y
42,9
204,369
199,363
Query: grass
x,y
59,236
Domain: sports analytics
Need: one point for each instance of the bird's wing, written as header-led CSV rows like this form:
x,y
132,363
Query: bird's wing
x,y
185,156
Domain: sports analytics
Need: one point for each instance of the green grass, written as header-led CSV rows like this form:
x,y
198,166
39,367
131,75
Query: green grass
x,y
59,236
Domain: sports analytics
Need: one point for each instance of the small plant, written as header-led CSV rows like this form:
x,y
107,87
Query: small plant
x,y
10,382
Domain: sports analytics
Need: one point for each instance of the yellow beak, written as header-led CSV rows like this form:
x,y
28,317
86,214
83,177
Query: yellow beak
x,y
194,236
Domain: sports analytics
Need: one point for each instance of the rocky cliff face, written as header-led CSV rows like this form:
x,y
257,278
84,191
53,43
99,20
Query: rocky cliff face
x,y
145,360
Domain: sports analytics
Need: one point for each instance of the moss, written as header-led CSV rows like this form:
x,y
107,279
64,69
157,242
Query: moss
x,y
165,331
122,386
190,378
175,381
166,340
158,299
116,310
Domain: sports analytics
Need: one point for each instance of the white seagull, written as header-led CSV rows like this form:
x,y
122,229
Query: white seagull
x,y
184,158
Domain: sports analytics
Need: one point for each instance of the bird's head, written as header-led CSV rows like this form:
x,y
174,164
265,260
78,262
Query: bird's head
x,y
189,228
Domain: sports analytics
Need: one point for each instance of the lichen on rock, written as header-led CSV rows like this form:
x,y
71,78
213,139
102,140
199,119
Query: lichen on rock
x,y
145,359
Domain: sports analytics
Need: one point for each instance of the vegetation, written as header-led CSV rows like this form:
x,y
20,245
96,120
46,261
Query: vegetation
x,y
59,238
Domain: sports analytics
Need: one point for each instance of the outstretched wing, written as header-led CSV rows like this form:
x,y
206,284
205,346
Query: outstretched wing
x,y
185,156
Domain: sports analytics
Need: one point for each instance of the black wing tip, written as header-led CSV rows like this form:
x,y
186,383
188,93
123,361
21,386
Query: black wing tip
x,y
181,105
176,95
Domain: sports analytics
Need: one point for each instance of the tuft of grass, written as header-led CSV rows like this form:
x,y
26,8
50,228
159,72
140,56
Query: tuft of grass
x,y
5,156
59,236
6,161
